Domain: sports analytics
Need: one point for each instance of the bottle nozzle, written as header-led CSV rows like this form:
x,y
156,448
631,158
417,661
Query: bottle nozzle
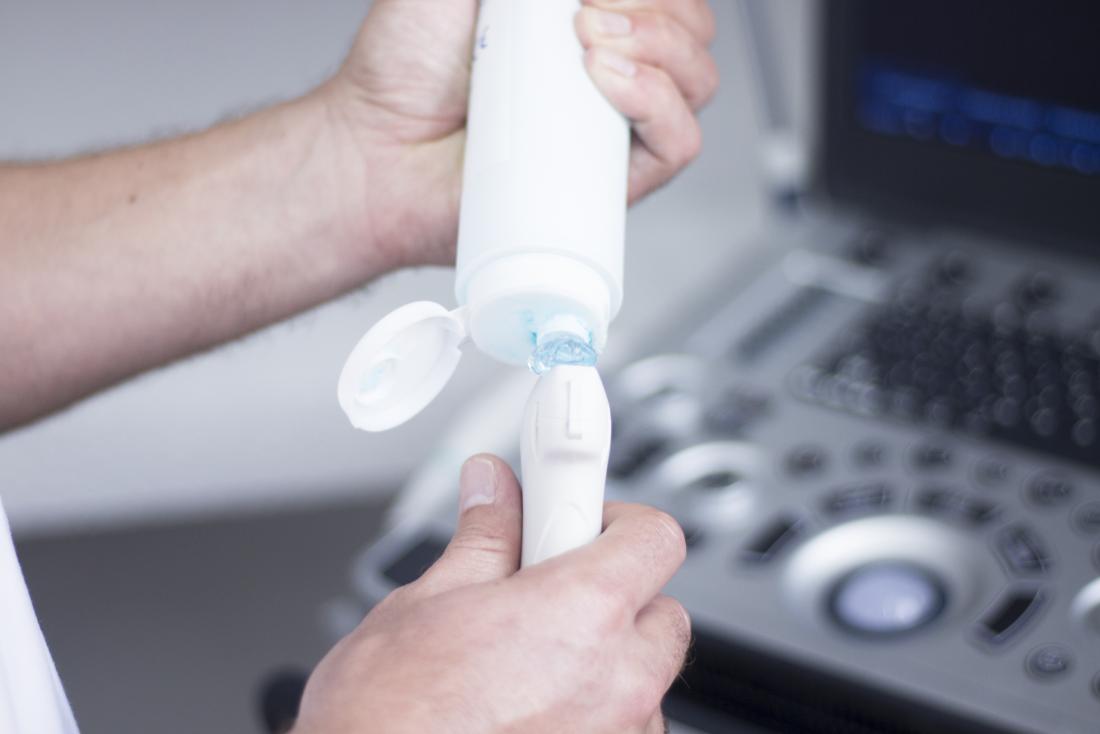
x,y
563,340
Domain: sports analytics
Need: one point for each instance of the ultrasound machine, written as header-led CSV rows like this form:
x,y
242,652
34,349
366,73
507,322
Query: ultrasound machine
x,y
885,446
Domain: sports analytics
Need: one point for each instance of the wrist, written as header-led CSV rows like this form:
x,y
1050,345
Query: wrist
x,y
401,196
329,176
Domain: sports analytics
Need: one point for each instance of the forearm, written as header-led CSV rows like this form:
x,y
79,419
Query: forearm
x,y
115,263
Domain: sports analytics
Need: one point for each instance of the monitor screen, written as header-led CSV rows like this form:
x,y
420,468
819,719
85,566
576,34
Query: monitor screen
x,y
967,109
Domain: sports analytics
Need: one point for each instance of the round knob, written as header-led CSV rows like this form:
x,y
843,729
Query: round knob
x,y
1049,661
887,599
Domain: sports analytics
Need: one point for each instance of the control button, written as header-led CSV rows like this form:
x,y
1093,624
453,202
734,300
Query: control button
x,y
736,410
628,456
992,471
869,455
805,461
931,457
858,498
771,539
1037,291
887,599
953,269
1008,615
1049,661
1084,432
1048,489
954,505
1086,518
1022,550
869,248
1096,685
713,481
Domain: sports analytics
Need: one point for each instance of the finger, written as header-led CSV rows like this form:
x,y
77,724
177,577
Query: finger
x,y
665,628
486,545
694,15
658,724
657,39
635,556
614,511
668,135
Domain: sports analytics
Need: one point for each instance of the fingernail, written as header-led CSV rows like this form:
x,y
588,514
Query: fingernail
x,y
616,62
612,24
477,484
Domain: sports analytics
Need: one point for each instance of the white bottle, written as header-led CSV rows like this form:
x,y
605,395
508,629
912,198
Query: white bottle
x,y
540,255
544,187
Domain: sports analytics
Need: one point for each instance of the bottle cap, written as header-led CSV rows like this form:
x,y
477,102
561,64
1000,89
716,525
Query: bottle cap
x,y
401,364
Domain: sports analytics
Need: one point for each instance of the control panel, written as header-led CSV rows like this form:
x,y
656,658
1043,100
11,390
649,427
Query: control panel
x,y
884,455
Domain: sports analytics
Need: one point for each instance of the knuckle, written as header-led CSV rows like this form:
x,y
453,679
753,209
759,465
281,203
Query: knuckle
x,y
635,702
679,623
662,26
691,147
665,528
396,599
604,599
711,78
481,539
657,724
707,22
611,597
645,696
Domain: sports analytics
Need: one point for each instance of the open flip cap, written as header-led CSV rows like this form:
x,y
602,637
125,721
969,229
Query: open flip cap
x,y
401,364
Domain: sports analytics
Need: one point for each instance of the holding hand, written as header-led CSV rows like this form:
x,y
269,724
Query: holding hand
x,y
400,101
583,642
650,59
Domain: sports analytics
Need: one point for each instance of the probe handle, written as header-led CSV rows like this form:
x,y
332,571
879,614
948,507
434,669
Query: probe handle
x,y
564,446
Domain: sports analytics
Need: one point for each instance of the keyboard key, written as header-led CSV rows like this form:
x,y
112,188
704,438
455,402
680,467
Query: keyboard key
x,y
954,269
869,454
858,499
1038,290
1048,489
992,472
1023,551
1049,661
1086,518
1084,432
931,457
628,457
770,540
805,461
954,505
736,410
1008,615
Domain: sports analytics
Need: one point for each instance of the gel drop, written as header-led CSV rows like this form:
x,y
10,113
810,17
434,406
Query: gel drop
x,y
559,348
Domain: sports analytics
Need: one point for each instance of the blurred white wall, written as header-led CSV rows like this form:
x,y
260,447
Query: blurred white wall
x,y
256,422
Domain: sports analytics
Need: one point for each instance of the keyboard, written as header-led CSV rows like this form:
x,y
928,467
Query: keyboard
x,y
1001,372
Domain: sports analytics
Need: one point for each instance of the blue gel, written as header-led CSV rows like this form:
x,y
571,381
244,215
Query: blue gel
x,y
561,348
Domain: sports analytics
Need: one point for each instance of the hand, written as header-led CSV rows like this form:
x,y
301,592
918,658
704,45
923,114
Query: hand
x,y
581,643
401,99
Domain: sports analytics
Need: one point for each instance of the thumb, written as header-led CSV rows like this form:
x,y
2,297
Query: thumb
x,y
486,545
